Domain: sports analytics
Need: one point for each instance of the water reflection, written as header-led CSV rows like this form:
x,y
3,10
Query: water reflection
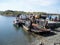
x,y
16,27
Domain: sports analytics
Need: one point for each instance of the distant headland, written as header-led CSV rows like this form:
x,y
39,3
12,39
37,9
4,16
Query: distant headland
x,y
15,13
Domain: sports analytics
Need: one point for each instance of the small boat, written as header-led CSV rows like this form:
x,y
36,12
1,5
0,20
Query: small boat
x,y
18,23
36,29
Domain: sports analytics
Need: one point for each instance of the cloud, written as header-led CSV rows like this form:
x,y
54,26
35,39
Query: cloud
x,y
29,5
41,2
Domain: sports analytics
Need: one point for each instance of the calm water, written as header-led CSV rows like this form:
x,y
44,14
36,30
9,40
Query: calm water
x,y
9,35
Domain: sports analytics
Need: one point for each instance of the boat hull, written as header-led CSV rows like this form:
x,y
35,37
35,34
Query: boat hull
x,y
34,30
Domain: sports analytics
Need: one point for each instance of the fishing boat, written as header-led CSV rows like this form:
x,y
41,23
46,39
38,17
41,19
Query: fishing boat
x,y
36,28
53,21
53,24
20,20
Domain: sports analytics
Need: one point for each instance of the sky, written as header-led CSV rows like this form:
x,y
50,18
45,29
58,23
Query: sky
x,y
49,6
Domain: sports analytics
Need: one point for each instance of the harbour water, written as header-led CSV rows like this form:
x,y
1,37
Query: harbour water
x,y
10,35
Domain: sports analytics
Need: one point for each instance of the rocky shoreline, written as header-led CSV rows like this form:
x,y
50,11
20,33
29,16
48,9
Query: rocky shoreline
x,y
49,40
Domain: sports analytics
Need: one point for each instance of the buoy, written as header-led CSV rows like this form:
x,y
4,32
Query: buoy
x,y
37,16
